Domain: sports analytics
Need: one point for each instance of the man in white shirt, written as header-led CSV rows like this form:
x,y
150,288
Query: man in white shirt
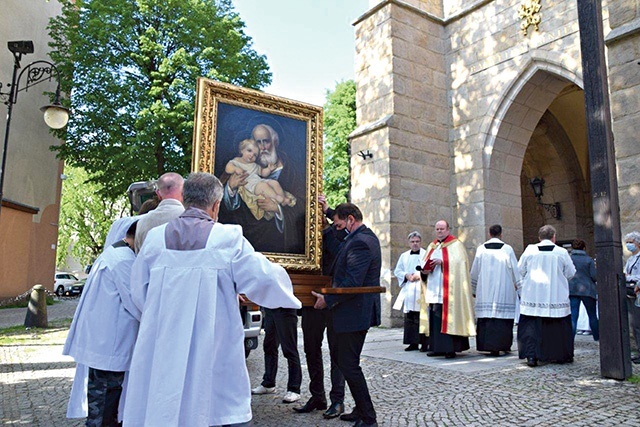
x,y
410,293
169,192
494,280
188,366
102,335
545,332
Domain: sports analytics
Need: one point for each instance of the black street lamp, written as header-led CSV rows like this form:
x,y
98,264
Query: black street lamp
x,y
55,115
537,184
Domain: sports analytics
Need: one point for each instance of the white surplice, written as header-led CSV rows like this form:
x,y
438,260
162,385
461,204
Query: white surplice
x,y
410,291
188,366
494,279
545,275
105,324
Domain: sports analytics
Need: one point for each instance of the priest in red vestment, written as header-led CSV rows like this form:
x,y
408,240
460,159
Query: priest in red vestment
x,y
447,313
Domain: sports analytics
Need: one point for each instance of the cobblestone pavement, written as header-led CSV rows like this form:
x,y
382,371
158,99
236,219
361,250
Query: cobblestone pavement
x,y
407,388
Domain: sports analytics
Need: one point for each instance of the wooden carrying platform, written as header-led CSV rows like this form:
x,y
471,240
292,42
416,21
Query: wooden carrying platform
x,y
303,284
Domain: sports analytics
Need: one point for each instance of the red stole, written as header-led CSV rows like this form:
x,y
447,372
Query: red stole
x,y
445,276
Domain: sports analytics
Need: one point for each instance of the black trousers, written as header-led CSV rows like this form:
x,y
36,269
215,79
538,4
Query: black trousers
x,y
314,323
443,343
347,348
103,396
412,333
281,329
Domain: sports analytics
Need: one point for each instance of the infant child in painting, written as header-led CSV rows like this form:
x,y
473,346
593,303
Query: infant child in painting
x,y
256,182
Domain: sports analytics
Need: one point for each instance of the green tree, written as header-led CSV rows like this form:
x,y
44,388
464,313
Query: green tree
x,y
130,67
339,122
85,217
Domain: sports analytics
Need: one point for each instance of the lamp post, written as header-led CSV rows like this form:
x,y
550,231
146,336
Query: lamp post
x,y
55,115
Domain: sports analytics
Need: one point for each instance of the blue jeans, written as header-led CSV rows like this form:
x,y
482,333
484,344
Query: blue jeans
x,y
590,305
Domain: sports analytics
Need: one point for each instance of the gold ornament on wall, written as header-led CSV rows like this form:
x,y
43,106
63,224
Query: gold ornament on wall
x,y
529,12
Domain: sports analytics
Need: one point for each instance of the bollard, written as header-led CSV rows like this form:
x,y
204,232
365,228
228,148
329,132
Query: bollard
x,y
37,309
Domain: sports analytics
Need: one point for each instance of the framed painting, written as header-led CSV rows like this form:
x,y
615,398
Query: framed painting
x,y
267,152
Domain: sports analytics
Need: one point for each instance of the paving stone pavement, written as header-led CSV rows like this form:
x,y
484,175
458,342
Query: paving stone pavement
x,y
407,388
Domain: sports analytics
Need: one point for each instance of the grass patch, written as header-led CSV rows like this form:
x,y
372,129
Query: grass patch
x,y
19,335
635,379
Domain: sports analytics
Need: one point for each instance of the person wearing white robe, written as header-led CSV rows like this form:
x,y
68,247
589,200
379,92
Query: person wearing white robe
x,y
545,332
494,279
188,366
410,291
102,335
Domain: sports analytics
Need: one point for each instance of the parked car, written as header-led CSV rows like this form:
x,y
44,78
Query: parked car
x,y
67,284
252,322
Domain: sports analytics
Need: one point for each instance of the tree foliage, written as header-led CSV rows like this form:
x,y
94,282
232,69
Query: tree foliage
x,y
339,122
85,218
130,67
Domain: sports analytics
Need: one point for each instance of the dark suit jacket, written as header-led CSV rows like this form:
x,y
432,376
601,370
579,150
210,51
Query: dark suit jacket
x,y
357,264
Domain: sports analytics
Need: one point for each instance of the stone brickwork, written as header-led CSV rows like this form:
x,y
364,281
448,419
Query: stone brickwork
x,y
451,94
623,43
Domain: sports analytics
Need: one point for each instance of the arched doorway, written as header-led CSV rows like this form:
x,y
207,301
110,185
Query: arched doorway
x,y
552,156
539,131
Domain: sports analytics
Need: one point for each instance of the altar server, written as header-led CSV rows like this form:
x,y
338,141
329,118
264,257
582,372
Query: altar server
x,y
410,291
544,329
495,278
102,335
188,366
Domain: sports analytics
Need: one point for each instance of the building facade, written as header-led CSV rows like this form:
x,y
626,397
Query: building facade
x,y
31,199
464,102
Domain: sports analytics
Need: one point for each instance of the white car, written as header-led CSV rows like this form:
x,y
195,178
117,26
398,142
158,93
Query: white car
x,y
66,284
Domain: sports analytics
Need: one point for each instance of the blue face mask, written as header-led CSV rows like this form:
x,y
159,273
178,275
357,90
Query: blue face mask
x,y
631,247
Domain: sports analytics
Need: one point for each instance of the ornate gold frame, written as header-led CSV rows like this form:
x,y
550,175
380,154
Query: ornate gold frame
x,y
209,94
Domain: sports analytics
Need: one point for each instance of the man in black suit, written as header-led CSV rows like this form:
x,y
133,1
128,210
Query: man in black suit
x,y
357,264
314,323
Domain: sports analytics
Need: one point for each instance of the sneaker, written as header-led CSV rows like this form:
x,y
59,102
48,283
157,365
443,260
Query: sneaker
x,y
291,397
263,390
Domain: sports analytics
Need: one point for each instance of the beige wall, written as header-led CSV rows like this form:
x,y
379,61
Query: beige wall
x,y
32,175
450,96
623,43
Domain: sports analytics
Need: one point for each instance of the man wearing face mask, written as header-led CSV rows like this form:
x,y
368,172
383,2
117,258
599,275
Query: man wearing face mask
x,y
632,276
357,264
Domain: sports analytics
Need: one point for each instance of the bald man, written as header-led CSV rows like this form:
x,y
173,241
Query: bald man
x,y
448,319
169,192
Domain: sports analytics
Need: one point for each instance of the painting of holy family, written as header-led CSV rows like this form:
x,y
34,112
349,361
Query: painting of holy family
x,y
267,152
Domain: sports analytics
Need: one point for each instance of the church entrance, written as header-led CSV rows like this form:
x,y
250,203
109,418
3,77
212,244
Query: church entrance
x,y
557,163
539,133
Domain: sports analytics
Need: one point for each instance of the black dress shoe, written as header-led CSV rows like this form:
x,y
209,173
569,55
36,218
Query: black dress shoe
x,y
310,406
424,348
335,410
451,355
495,353
361,423
412,347
434,354
351,416
532,362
